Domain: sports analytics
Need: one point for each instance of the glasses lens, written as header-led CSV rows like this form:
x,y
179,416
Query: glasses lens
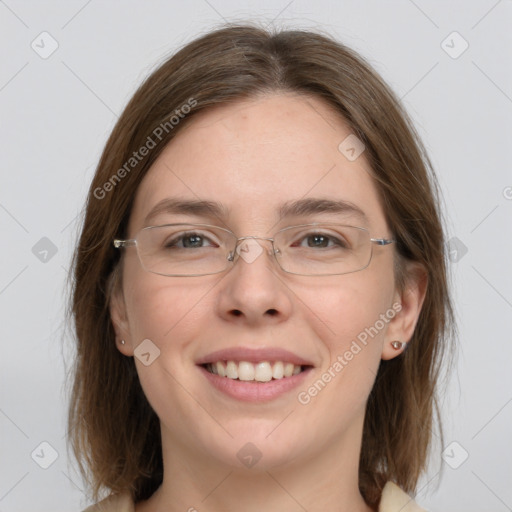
x,y
184,249
323,249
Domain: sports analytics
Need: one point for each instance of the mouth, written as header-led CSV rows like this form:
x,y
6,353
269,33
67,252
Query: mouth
x,y
263,371
254,374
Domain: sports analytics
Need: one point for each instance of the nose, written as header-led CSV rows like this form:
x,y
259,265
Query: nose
x,y
253,291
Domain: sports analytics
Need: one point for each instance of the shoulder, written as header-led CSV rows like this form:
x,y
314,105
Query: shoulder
x,y
114,503
394,499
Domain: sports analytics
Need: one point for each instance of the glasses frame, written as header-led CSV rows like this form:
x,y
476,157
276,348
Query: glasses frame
x,y
132,242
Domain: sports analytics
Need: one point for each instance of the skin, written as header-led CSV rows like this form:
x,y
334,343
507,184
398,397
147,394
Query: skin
x,y
252,156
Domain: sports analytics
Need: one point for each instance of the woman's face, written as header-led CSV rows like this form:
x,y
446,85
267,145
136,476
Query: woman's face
x,y
251,158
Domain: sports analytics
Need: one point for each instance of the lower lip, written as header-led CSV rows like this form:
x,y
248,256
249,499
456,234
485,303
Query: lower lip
x,y
253,391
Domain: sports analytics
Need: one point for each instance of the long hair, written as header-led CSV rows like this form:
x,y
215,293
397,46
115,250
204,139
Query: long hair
x,y
117,441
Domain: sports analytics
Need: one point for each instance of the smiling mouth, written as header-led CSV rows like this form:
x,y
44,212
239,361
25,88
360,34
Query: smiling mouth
x,y
265,371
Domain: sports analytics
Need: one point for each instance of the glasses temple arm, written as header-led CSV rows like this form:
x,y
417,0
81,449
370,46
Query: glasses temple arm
x,y
382,241
124,243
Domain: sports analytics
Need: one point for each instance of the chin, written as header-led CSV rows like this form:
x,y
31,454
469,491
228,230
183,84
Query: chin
x,y
253,449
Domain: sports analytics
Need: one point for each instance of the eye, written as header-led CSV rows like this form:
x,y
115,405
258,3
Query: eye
x,y
322,241
189,240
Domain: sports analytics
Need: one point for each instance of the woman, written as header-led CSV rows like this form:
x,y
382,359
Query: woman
x,y
260,293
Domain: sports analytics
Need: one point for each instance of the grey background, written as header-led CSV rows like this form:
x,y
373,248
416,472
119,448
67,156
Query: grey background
x,y
57,112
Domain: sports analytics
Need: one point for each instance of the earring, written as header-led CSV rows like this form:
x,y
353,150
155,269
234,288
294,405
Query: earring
x,y
397,345
122,342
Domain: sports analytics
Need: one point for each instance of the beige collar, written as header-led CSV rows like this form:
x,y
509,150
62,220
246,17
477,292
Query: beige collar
x,y
394,499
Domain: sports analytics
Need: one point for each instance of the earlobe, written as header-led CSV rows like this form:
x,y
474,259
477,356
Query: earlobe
x,y
118,316
401,328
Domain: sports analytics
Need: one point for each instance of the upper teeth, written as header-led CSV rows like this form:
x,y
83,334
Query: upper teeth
x,y
261,372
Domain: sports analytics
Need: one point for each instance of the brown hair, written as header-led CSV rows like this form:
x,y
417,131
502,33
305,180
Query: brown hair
x,y
117,440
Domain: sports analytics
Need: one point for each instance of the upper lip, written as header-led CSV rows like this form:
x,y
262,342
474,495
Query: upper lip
x,y
254,355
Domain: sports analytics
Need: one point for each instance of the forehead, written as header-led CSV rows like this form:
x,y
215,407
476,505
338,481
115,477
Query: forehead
x,y
255,155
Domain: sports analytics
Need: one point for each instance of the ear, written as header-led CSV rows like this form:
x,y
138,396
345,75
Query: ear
x,y
119,318
401,327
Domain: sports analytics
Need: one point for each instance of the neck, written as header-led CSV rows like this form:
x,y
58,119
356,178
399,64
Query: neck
x,y
316,482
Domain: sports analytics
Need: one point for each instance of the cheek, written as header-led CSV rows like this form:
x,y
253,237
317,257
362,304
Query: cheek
x,y
164,309
350,317
173,316
348,307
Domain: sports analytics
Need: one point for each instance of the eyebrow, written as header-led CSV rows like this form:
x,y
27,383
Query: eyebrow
x,y
296,208
311,206
188,207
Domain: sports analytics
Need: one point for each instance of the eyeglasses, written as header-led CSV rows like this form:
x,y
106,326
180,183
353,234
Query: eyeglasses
x,y
201,249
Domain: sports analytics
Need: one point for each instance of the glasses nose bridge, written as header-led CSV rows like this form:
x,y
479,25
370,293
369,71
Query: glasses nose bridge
x,y
242,238
254,238
232,253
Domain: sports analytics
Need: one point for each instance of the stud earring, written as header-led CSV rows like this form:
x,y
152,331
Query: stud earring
x,y
397,345
122,342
